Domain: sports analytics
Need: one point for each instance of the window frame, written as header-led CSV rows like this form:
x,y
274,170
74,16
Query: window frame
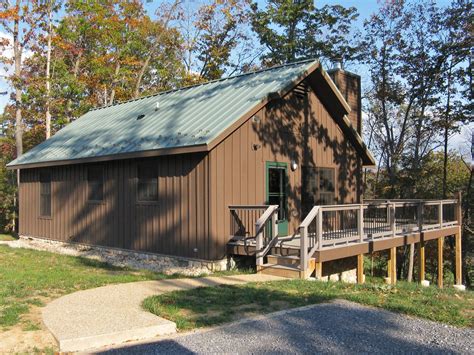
x,y
155,176
42,173
317,198
102,173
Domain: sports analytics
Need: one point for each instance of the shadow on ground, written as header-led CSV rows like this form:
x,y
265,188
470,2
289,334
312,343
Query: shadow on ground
x,y
336,327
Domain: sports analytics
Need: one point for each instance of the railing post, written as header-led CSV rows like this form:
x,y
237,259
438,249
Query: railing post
x,y
360,224
389,218
393,224
303,252
258,249
420,217
274,223
440,214
459,208
319,230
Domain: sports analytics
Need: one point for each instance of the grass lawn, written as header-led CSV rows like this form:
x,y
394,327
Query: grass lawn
x,y
30,278
215,305
6,237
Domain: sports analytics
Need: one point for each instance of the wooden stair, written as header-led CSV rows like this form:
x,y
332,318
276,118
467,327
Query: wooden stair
x,y
286,266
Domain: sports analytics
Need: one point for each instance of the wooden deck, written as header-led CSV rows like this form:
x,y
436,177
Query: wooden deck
x,y
339,231
339,251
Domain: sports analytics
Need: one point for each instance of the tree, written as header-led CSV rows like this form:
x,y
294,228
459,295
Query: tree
x,y
214,36
420,66
20,20
455,45
387,111
292,30
162,41
51,8
408,63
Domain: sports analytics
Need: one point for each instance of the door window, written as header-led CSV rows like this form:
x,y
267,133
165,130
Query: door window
x,y
277,190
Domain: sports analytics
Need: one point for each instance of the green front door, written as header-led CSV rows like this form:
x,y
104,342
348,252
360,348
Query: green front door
x,y
277,192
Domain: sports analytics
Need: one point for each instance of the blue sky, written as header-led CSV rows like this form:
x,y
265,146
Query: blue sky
x,y
364,7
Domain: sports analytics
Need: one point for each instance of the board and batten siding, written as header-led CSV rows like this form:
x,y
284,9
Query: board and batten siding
x,y
177,224
191,217
291,128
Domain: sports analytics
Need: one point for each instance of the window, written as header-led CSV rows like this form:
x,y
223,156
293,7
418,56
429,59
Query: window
x,y
318,187
95,183
277,186
45,193
147,182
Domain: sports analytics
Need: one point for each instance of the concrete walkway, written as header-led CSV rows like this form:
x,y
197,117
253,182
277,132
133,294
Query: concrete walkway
x,y
113,315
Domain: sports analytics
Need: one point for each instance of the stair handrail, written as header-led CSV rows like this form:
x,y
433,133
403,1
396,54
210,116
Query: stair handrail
x,y
260,249
305,254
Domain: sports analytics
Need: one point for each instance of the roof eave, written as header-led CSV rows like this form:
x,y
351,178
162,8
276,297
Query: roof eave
x,y
96,159
337,106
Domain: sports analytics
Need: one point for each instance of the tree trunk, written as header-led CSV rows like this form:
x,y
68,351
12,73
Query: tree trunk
x,y
140,76
75,73
446,135
114,82
48,79
17,52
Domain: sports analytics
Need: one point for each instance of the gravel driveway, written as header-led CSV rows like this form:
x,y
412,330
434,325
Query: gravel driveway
x,y
337,327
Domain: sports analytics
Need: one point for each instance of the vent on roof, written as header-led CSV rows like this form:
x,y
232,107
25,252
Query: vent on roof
x,y
139,117
301,90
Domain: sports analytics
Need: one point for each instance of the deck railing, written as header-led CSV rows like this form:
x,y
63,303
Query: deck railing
x,y
257,223
341,225
243,219
335,226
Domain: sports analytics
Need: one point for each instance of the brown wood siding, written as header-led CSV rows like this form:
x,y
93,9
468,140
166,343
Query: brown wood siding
x,y
195,189
289,128
176,224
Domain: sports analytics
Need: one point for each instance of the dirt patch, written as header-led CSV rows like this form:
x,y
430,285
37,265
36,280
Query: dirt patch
x,y
277,305
17,339
245,307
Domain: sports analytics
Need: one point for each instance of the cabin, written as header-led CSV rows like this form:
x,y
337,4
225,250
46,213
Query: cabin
x,y
267,164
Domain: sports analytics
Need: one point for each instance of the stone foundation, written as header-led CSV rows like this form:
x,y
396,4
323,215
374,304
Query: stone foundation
x,y
340,270
127,258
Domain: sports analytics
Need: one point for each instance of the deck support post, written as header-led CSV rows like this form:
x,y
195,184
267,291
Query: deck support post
x,y
318,270
458,241
440,261
360,269
421,260
392,266
458,256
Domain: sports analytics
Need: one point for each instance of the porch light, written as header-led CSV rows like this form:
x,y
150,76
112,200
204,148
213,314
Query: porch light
x,y
294,165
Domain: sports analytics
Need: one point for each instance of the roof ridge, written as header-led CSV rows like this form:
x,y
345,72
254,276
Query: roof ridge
x,y
207,82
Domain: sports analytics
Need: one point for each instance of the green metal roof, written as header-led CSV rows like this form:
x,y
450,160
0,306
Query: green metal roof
x,y
185,117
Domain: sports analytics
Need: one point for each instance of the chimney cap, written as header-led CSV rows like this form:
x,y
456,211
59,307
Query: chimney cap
x,y
337,63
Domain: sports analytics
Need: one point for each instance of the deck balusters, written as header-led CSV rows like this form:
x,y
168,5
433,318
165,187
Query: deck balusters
x,y
243,219
332,226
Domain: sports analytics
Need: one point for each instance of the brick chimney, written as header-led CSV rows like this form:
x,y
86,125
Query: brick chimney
x,y
349,85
